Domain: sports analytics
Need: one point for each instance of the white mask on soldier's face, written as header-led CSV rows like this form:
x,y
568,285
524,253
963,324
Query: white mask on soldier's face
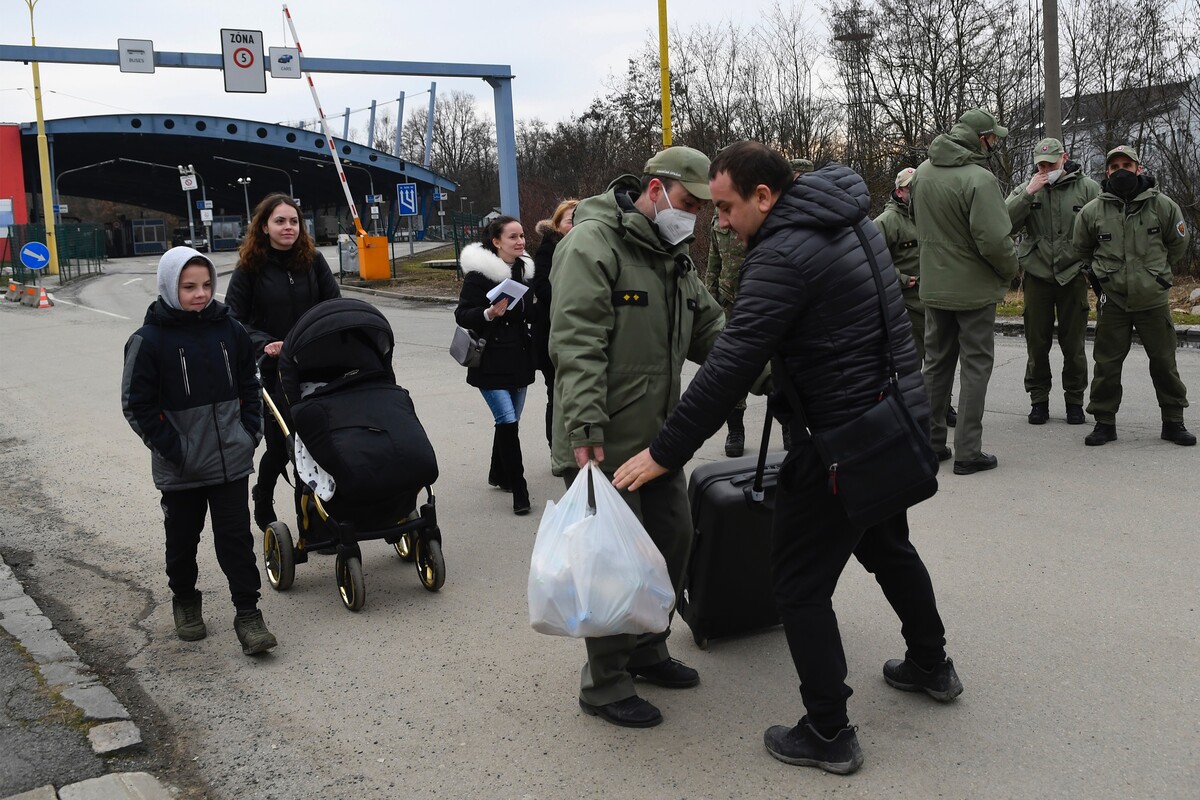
x,y
674,224
1053,175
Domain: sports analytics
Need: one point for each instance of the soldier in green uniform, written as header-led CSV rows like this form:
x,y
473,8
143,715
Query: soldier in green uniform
x,y
1131,235
725,256
1043,210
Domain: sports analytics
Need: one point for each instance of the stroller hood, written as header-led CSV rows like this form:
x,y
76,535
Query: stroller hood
x,y
334,338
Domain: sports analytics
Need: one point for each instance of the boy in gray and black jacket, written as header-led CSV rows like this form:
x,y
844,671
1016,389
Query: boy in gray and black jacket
x,y
190,390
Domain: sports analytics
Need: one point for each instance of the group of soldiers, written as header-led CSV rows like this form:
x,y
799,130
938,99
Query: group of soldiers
x,y
950,232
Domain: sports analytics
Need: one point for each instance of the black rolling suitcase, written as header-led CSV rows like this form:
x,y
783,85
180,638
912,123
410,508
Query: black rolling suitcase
x,y
728,586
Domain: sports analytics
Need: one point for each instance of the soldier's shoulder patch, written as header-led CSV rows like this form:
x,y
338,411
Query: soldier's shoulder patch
x,y
1181,228
630,297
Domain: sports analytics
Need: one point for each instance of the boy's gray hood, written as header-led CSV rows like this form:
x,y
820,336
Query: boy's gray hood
x,y
169,268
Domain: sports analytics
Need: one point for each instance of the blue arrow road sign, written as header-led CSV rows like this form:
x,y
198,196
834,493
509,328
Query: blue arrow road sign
x,y
406,199
35,255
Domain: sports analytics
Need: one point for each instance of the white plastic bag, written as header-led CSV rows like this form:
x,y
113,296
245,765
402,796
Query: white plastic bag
x,y
596,572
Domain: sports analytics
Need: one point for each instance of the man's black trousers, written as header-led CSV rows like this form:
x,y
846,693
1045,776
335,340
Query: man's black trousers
x,y
811,542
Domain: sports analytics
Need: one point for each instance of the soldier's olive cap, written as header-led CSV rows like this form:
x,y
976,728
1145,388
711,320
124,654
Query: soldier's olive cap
x,y
1123,150
904,177
688,166
983,121
1047,151
801,165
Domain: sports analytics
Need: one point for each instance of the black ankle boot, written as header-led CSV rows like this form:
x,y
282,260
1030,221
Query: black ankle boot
x,y
735,442
264,505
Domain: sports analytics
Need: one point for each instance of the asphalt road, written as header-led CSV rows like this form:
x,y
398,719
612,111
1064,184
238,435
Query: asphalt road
x,y
1067,579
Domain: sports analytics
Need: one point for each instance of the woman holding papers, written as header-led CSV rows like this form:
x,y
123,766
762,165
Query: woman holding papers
x,y
494,305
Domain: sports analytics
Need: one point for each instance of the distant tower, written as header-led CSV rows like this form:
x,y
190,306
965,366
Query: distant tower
x,y
853,29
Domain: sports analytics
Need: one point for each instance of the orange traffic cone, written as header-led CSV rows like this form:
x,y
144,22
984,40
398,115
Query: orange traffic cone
x,y
43,299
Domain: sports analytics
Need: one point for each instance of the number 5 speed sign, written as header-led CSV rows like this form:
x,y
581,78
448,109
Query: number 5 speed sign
x,y
242,61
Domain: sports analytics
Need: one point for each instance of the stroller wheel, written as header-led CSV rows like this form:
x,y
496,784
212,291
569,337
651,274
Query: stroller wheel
x,y
430,564
279,556
350,581
405,549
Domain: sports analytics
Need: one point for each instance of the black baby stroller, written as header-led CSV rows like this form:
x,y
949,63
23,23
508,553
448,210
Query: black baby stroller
x,y
354,437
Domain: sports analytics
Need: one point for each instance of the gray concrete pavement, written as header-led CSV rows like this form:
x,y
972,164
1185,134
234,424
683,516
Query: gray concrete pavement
x,y
1066,578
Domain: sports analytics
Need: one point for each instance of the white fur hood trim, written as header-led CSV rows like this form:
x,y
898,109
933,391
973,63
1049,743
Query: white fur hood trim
x,y
477,258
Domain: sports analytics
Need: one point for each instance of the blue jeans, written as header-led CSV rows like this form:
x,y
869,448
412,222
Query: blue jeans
x,y
506,404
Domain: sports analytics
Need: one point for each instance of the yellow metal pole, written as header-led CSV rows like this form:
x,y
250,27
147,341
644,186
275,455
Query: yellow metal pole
x,y
665,72
43,153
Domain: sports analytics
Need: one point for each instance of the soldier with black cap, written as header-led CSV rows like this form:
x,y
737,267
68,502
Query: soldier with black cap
x,y
628,309
1131,235
967,263
1043,210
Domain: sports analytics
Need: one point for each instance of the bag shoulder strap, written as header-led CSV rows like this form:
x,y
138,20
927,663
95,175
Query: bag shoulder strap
x,y
889,353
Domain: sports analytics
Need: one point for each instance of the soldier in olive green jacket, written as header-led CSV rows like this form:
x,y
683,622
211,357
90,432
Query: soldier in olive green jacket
x,y
1044,209
1131,235
628,309
967,263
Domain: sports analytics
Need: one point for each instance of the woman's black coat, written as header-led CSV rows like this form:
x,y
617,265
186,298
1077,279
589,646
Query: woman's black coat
x,y
508,357
543,259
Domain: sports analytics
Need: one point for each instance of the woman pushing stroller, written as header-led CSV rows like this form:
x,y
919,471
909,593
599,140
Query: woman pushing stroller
x,y
280,275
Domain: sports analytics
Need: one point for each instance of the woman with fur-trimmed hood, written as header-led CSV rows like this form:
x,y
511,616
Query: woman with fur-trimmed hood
x,y
507,366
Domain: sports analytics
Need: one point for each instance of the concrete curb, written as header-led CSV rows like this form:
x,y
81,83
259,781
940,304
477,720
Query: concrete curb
x,y
67,676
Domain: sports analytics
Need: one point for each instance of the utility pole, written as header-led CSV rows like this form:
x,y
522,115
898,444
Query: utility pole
x,y
245,182
187,179
664,69
1053,93
43,148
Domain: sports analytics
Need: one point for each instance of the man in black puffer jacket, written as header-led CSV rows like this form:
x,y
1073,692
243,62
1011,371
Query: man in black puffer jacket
x,y
807,295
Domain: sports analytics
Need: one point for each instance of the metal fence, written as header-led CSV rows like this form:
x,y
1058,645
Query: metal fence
x,y
81,250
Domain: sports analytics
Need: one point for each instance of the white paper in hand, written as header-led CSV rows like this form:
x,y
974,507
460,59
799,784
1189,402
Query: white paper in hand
x,y
513,290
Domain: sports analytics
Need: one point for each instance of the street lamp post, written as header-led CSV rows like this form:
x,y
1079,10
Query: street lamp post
x,y
245,182
189,172
461,200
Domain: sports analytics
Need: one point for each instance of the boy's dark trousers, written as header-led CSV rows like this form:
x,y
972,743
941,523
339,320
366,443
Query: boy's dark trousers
x,y
183,514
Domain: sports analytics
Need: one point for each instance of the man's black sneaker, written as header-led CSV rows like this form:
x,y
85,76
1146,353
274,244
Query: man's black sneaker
x,y
189,618
804,747
941,683
1075,414
1175,432
951,417
632,712
735,443
669,673
979,463
1039,413
944,454
1103,433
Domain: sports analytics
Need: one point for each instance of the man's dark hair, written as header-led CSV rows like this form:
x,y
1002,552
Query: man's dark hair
x,y
749,164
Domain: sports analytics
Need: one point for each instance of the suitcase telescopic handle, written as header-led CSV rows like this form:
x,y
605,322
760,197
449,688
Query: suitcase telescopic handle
x,y
756,491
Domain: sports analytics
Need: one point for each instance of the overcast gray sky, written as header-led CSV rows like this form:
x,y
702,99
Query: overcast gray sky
x,y
561,52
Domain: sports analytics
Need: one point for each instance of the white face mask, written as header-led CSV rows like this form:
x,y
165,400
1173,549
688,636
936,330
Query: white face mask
x,y
674,224
1053,175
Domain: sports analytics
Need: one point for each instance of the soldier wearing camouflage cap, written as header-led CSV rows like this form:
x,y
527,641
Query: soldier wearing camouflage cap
x,y
1043,211
1131,236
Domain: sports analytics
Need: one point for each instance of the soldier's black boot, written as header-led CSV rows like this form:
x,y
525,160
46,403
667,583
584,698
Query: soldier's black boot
x,y
496,476
1103,433
1039,413
1075,414
735,442
1175,432
514,467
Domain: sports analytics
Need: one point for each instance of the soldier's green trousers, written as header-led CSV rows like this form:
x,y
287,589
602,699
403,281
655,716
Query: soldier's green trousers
x,y
954,339
1045,301
1114,335
663,509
